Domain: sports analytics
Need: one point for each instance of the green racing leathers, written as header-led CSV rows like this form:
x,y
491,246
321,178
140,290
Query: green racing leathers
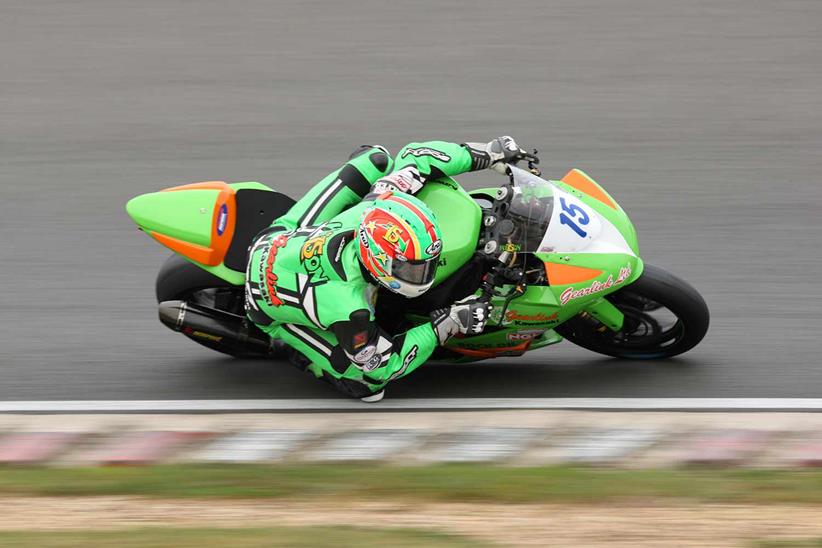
x,y
305,285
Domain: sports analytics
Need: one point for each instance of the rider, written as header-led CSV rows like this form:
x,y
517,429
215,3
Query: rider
x,y
313,275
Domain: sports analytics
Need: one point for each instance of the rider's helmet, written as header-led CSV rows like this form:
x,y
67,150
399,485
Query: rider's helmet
x,y
400,243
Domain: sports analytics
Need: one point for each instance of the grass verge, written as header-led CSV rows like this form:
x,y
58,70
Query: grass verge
x,y
808,543
469,483
296,537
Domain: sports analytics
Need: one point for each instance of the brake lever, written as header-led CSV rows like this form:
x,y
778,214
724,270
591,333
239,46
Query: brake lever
x,y
533,160
531,156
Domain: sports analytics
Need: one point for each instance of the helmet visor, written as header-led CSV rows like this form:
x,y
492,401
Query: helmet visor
x,y
415,272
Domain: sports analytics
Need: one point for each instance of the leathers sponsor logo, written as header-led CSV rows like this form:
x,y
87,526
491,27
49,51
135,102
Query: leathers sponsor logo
x,y
596,287
409,357
312,250
340,250
425,151
514,316
270,278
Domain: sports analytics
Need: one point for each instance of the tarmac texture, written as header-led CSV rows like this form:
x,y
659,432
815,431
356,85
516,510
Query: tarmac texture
x,y
703,119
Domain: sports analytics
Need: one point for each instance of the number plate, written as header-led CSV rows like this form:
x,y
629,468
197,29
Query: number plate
x,y
573,225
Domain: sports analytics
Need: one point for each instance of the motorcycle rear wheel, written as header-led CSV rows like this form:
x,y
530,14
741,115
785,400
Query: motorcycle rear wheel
x,y
664,317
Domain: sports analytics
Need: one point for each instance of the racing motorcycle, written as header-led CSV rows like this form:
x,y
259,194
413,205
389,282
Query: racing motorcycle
x,y
558,259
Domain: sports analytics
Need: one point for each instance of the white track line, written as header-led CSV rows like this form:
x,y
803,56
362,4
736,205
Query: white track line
x,y
605,404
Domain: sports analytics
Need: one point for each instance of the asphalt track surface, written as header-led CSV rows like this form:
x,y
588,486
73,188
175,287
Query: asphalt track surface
x,y
704,119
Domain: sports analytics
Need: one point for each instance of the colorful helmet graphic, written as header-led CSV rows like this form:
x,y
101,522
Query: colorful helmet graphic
x,y
400,243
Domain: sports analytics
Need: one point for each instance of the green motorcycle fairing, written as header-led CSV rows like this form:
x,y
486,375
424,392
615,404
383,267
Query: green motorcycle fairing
x,y
580,271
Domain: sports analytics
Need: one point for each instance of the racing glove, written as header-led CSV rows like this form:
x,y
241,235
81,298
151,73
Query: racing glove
x,y
467,317
495,154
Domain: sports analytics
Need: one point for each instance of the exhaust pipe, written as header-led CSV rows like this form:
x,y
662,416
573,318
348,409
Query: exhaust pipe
x,y
231,333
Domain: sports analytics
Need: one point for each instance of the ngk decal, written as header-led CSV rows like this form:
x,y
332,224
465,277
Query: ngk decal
x,y
525,335
597,286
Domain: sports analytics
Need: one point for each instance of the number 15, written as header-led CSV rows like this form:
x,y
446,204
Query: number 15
x,y
576,213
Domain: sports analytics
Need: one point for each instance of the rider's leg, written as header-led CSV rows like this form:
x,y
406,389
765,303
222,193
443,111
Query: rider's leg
x,y
318,353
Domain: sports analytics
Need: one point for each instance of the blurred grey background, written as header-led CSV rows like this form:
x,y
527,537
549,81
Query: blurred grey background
x,y
703,118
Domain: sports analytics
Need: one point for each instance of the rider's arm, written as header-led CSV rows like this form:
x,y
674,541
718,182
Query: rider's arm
x,y
340,190
379,356
418,163
415,164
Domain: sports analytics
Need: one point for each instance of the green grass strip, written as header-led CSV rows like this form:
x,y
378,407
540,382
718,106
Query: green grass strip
x,y
479,483
809,543
296,537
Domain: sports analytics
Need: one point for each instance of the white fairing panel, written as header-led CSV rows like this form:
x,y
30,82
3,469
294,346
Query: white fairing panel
x,y
577,228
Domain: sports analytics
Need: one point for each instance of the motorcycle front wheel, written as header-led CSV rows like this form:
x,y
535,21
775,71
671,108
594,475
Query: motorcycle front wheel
x,y
664,317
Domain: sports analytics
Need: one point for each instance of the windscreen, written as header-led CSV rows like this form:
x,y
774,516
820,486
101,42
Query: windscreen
x,y
530,212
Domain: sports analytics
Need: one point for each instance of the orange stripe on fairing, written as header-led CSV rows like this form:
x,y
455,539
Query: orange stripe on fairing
x,y
586,185
566,274
198,253
492,352
219,243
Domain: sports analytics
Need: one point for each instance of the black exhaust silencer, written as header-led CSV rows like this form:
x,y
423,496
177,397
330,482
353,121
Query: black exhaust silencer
x,y
215,329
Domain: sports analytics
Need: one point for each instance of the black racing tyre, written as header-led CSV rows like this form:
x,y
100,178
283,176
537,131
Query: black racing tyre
x,y
181,280
178,279
664,317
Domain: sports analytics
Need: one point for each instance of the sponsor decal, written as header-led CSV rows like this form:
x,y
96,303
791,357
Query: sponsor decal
x,y
525,335
398,181
202,335
312,251
222,219
425,151
270,293
373,363
339,251
514,316
434,248
409,357
570,294
363,236
365,355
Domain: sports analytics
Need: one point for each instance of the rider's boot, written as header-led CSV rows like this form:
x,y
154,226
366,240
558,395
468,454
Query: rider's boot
x,y
374,398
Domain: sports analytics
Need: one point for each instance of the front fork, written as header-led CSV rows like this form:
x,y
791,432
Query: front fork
x,y
606,313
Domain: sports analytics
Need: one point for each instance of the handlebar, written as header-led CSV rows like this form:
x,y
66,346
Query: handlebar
x,y
533,161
